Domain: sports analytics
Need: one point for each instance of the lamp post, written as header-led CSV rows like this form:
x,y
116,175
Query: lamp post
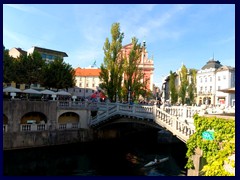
x,y
117,96
129,94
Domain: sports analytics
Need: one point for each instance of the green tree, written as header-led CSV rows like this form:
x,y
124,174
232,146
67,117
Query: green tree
x,y
173,90
192,86
133,74
29,69
59,75
8,67
111,73
184,84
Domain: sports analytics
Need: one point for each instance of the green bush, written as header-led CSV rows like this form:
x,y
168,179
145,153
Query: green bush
x,y
215,151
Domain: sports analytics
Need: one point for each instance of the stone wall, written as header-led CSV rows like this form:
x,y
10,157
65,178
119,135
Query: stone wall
x,y
19,140
15,138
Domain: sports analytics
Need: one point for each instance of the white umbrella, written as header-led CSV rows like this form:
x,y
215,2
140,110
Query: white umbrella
x,y
11,89
46,91
63,93
31,91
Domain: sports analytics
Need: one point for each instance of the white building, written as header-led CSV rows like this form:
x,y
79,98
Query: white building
x,y
225,79
214,77
17,52
86,82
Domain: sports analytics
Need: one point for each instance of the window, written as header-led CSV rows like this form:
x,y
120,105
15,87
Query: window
x,y
205,79
205,88
92,85
44,56
219,78
219,87
210,88
49,57
80,84
92,91
210,79
224,76
87,85
86,90
201,80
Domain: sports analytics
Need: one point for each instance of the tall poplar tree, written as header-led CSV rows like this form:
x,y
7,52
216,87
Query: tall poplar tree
x,y
192,86
173,90
112,68
184,84
132,73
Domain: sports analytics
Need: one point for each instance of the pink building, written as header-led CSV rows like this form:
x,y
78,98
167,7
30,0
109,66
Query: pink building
x,y
146,64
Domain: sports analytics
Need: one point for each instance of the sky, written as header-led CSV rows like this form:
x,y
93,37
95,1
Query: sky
x,y
175,34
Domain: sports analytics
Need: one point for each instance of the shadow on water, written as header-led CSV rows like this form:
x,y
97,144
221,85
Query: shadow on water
x,y
100,158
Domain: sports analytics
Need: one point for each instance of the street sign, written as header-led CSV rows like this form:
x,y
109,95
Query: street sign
x,y
208,135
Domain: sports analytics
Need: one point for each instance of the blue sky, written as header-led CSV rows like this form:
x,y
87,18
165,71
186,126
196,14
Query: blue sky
x,y
174,33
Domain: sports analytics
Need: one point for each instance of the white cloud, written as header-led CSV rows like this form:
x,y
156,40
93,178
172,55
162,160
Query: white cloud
x,y
137,23
30,9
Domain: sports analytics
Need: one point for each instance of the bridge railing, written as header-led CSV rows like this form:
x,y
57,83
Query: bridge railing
x,y
182,129
183,112
140,111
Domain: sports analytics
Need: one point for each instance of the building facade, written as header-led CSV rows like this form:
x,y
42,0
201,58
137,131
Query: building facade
x,y
48,54
87,82
16,52
146,64
211,79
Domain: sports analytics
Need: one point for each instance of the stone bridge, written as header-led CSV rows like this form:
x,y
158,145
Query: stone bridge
x,y
177,119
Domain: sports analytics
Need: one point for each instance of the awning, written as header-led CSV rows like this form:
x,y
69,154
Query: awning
x,y
229,90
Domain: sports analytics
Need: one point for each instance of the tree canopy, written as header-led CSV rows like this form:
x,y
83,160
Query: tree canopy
x,y
173,90
112,69
118,65
32,69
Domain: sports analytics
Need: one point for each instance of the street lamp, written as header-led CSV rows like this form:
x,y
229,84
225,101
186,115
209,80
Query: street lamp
x,y
117,96
129,94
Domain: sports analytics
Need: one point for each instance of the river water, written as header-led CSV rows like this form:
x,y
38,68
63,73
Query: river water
x,y
99,158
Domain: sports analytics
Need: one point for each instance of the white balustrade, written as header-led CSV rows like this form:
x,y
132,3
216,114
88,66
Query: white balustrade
x,y
65,126
32,127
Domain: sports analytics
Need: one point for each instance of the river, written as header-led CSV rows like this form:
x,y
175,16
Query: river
x,y
99,158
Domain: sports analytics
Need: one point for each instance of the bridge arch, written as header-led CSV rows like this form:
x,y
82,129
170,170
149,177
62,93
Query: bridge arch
x,y
120,119
33,117
68,117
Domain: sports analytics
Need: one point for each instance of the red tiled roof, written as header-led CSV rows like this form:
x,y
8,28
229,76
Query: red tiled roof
x,y
87,72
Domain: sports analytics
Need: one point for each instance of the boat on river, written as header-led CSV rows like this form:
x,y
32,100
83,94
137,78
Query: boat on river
x,y
156,162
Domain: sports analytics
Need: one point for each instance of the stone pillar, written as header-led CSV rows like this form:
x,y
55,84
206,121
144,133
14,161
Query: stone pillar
x,y
198,162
